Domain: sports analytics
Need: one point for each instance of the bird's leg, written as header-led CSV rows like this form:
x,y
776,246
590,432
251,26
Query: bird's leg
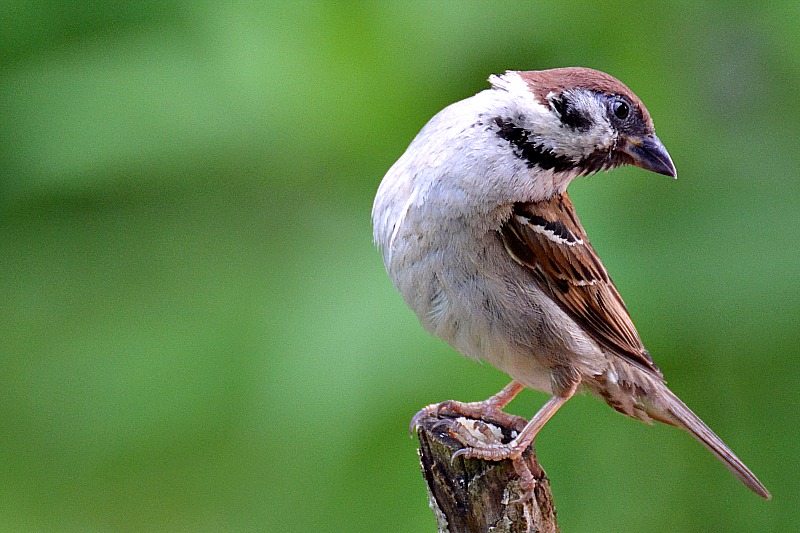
x,y
489,410
478,449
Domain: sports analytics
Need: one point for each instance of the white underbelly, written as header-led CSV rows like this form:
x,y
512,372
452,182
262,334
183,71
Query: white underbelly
x,y
512,325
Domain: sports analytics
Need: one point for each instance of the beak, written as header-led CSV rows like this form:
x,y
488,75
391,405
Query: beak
x,y
649,153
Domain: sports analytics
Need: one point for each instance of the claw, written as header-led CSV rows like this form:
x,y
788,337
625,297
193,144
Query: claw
x,y
428,410
461,452
488,410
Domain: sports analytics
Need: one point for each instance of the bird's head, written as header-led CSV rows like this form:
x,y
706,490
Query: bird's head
x,y
577,121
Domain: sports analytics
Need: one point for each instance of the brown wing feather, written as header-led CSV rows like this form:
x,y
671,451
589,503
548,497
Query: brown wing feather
x,y
548,238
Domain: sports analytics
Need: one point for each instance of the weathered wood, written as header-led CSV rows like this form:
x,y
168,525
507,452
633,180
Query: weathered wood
x,y
473,495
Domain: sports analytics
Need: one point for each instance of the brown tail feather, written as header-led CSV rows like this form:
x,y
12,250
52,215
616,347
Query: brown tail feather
x,y
683,417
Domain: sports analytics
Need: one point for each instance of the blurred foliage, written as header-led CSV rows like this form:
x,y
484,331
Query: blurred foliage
x,y
197,333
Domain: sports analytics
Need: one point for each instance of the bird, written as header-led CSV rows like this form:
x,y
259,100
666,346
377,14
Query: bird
x,y
479,236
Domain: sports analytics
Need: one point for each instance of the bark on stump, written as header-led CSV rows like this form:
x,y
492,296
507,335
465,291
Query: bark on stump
x,y
473,495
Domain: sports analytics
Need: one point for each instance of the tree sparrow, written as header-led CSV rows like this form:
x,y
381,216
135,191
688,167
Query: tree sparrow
x,y
478,234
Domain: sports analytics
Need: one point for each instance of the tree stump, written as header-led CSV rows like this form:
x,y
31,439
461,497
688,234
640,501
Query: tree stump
x,y
473,495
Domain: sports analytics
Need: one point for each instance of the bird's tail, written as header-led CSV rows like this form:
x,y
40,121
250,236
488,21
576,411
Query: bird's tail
x,y
677,414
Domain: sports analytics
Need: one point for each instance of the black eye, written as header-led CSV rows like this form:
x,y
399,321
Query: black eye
x,y
621,109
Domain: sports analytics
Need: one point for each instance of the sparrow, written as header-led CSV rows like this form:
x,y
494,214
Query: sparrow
x,y
479,236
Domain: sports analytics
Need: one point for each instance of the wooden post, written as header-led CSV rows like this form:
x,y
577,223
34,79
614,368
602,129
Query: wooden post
x,y
473,495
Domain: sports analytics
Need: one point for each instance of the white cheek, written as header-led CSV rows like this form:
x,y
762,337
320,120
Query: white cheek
x,y
601,136
602,133
578,144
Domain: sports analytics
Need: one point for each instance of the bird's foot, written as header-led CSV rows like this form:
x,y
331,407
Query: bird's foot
x,y
484,411
489,410
477,447
478,444
484,441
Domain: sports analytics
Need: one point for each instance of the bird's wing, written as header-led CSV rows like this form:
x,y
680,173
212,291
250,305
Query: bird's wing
x,y
548,238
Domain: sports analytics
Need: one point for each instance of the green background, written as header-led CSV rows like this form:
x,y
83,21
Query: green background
x,y
196,332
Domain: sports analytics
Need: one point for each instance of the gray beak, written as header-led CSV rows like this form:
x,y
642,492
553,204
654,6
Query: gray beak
x,y
649,153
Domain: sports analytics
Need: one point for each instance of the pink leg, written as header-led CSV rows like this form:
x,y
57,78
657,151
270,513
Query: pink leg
x,y
512,450
489,410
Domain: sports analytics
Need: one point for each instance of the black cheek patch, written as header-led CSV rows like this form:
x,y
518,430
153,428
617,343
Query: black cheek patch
x,y
570,116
